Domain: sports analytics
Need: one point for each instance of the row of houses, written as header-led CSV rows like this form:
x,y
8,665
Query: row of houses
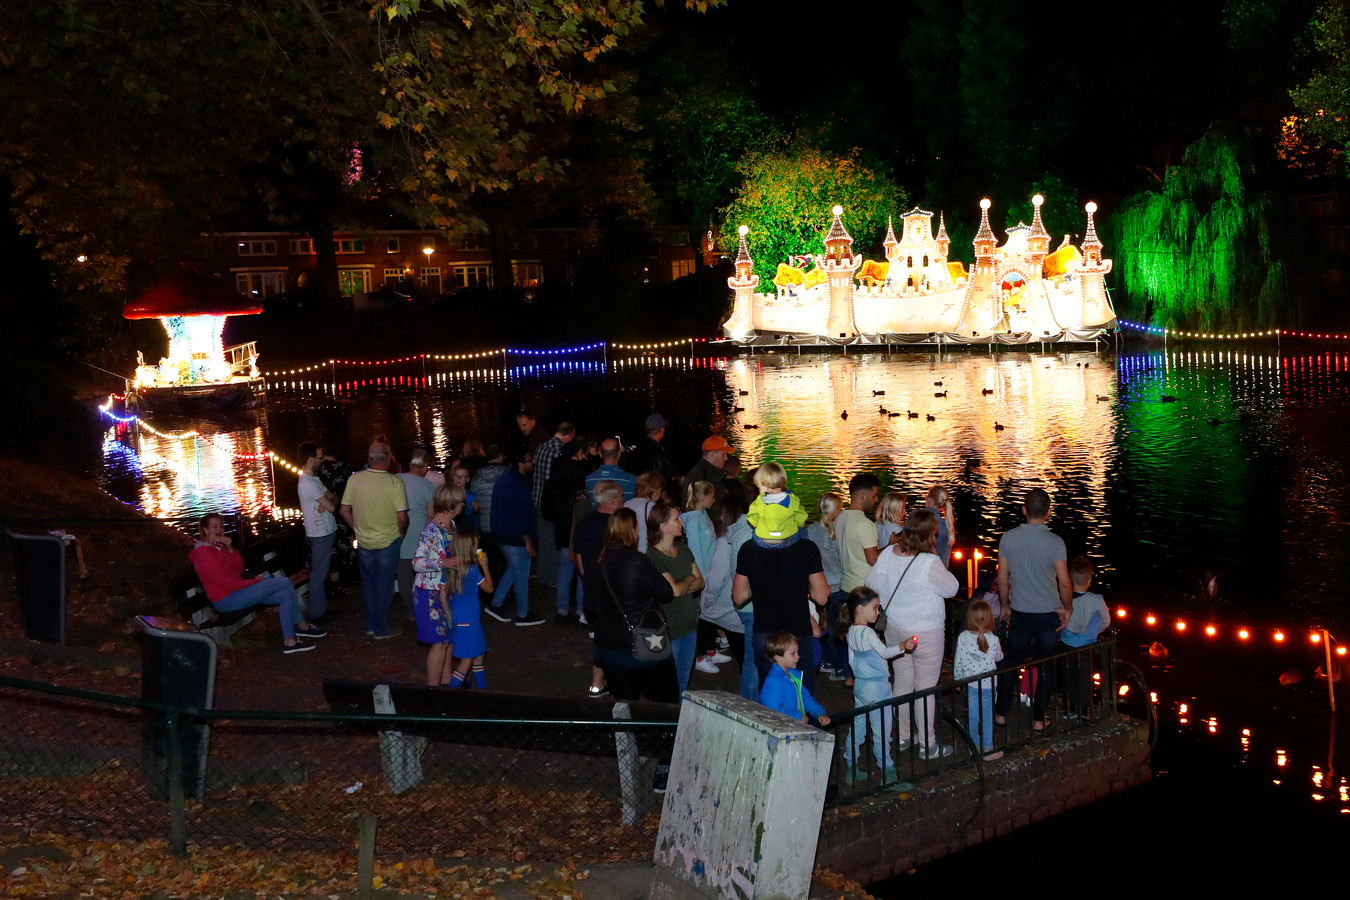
x,y
269,263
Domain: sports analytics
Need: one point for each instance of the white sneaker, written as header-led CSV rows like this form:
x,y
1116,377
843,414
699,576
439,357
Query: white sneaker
x,y
706,665
718,657
723,643
935,750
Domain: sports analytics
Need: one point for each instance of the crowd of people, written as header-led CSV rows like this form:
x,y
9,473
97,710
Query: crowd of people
x,y
721,566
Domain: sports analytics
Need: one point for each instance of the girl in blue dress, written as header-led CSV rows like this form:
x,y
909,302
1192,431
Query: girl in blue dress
x,y
461,588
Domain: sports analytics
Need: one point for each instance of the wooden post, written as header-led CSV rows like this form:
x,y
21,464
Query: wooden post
x,y
1331,684
365,854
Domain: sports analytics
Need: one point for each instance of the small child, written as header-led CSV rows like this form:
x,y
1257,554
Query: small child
x,y
782,690
867,656
978,651
430,562
890,518
1090,617
698,534
776,514
461,586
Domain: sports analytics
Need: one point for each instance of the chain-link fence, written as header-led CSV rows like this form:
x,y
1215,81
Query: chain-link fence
x,y
498,789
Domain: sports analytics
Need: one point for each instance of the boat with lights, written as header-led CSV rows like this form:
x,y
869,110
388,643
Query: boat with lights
x,y
199,374
1016,293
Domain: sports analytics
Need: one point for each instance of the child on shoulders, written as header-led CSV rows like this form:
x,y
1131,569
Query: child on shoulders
x,y
776,514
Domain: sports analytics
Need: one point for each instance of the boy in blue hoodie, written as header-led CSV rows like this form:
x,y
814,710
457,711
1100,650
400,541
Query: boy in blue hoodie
x,y
782,690
1091,616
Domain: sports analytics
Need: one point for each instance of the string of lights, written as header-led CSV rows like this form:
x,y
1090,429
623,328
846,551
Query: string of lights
x,y
1235,336
503,352
1210,630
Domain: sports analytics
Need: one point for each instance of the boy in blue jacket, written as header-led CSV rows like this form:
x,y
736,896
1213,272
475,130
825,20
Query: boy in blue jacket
x,y
782,690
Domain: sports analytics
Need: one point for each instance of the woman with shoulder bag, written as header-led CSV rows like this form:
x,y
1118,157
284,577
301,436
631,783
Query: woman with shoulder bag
x,y
630,594
913,585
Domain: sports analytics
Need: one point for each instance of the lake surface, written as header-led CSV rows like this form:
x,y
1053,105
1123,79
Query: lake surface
x,y
1166,467
1243,475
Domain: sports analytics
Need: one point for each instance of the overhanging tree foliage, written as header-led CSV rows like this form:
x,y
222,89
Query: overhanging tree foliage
x,y
131,125
786,197
1202,252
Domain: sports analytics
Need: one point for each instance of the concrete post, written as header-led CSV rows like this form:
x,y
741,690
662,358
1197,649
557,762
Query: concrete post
x,y
744,801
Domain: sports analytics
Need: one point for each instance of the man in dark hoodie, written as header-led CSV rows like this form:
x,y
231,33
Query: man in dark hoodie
x,y
513,532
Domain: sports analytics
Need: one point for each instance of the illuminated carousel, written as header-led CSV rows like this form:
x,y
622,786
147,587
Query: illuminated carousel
x,y
1017,293
199,374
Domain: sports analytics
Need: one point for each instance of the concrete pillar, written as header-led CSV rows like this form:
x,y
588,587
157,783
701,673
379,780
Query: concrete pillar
x,y
743,804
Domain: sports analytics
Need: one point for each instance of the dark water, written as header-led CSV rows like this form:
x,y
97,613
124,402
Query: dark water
x,y
1241,475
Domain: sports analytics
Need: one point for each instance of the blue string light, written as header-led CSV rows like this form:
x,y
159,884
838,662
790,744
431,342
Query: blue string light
x,y
581,349
1149,329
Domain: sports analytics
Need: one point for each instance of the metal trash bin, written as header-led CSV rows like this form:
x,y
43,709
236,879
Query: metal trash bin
x,y
40,570
178,667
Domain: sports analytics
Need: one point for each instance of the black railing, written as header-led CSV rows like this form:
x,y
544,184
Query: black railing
x,y
887,745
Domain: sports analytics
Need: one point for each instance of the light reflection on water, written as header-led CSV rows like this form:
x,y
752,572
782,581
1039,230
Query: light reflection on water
x,y
1242,474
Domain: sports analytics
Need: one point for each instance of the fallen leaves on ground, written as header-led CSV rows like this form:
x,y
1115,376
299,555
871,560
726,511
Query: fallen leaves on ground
x,y
51,865
847,888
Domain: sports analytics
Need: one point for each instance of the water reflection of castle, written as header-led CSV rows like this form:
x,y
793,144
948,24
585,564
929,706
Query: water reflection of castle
x,y
1018,293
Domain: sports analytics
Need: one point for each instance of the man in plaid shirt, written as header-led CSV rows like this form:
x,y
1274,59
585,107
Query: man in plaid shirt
x,y
544,457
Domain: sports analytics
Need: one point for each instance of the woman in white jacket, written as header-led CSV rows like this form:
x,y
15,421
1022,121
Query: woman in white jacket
x,y
913,585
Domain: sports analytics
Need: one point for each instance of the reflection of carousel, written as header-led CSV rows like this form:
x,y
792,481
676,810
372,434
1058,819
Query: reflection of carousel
x,y
1019,293
199,374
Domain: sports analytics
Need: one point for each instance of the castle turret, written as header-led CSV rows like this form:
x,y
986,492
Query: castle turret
x,y
890,242
944,243
1092,245
1038,241
985,242
740,326
839,264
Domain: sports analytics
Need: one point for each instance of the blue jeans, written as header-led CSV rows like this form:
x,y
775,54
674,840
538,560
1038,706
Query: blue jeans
x,y
320,559
1030,636
377,585
565,572
878,722
980,712
806,660
517,576
682,651
277,592
749,674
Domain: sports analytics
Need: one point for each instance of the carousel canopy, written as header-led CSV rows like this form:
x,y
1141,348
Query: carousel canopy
x,y
189,294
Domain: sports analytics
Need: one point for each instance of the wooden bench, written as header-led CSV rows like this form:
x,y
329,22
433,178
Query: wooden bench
x,y
637,754
192,604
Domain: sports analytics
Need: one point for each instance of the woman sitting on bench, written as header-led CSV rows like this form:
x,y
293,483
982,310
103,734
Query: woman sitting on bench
x,y
221,570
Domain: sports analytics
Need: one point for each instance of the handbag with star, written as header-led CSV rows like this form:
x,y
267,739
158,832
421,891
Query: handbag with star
x,y
651,643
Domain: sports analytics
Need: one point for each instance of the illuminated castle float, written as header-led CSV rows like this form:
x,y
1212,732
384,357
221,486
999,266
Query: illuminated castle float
x,y
200,373
1019,293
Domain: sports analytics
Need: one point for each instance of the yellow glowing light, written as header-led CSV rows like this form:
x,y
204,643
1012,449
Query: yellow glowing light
x,y
1181,626
1124,689
1152,620
837,210
743,230
1120,613
979,555
1211,630
1153,695
1317,797
1246,732
1183,709
1315,637
956,553
1279,635
1243,634
428,250
1340,651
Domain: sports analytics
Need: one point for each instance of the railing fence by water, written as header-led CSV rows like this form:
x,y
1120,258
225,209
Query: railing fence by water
x,y
107,767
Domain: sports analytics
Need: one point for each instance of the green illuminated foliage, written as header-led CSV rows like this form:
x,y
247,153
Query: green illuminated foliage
x,y
786,198
1198,253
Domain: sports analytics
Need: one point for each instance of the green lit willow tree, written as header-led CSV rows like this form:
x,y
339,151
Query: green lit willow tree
x,y
785,200
1199,253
